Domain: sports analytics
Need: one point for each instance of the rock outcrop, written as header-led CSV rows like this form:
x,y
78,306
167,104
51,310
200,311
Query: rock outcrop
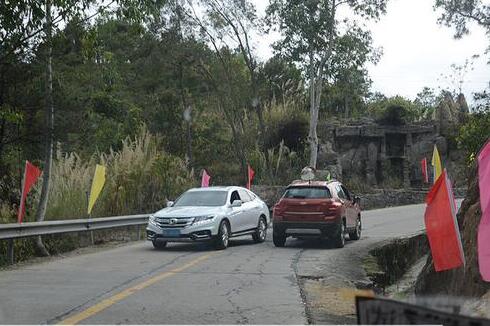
x,y
381,155
449,114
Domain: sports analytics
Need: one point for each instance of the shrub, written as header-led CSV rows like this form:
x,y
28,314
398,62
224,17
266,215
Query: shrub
x,y
286,123
474,134
286,165
395,111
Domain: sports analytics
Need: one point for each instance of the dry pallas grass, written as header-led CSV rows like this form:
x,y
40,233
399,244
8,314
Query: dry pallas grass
x,y
139,178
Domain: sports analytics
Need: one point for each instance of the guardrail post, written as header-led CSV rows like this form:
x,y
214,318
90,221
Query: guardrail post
x,y
10,251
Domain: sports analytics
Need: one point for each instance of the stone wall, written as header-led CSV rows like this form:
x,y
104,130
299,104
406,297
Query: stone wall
x,y
379,199
382,155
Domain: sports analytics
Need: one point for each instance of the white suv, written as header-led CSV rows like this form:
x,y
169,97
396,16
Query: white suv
x,y
210,214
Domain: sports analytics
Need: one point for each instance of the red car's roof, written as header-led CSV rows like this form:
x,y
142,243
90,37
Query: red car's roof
x,y
313,183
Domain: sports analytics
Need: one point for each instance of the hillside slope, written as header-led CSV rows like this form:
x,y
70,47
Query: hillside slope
x,y
462,282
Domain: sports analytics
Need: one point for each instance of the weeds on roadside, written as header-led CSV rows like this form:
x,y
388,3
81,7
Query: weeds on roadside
x,y
139,178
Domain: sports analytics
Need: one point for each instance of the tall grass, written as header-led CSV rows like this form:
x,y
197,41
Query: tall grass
x,y
287,129
70,179
7,213
139,179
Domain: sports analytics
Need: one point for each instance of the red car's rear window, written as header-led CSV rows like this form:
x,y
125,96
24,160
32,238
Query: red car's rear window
x,y
307,193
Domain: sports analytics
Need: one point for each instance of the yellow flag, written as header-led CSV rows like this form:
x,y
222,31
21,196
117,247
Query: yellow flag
x,y
436,163
97,185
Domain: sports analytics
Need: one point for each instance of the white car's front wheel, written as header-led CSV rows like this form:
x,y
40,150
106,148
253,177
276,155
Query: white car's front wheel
x,y
223,237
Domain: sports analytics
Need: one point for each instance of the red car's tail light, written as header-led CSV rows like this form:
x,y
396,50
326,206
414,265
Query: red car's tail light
x,y
331,207
277,211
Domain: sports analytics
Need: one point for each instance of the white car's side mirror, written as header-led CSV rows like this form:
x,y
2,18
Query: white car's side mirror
x,y
236,203
170,203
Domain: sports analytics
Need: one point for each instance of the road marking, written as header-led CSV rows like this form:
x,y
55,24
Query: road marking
x,y
104,304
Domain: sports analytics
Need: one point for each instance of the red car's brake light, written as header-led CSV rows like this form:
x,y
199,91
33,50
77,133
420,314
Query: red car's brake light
x,y
332,206
277,209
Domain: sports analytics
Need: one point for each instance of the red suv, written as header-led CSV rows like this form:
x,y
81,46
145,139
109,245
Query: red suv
x,y
317,208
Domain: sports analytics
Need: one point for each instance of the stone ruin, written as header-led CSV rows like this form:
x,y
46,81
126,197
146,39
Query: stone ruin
x,y
389,156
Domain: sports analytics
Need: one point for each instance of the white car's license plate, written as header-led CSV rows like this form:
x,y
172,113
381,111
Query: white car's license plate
x,y
171,233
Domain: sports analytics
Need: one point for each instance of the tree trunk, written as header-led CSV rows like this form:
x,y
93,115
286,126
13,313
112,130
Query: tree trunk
x,y
3,121
2,135
262,143
316,85
239,151
187,118
312,135
186,108
49,130
346,107
237,144
189,144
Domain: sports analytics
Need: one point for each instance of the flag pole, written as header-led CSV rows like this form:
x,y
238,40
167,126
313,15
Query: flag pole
x,y
10,242
10,251
22,201
88,217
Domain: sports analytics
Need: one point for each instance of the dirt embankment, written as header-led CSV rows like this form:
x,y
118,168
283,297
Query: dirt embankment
x,y
388,263
465,281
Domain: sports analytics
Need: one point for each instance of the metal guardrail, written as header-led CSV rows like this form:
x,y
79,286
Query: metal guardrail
x,y
29,229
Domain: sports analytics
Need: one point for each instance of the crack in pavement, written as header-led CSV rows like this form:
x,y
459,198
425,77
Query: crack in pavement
x,y
228,295
299,283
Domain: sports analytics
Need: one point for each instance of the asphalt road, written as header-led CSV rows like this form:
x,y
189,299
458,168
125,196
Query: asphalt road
x,y
193,284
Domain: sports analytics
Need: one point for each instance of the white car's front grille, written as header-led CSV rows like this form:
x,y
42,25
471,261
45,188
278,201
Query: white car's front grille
x,y
173,222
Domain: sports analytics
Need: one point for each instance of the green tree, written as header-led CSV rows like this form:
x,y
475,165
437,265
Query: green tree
x,y
427,101
229,24
459,13
347,94
23,25
474,134
310,32
281,81
347,81
231,73
395,110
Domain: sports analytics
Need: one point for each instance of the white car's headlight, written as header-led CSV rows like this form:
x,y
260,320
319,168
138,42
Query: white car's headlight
x,y
203,219
152,220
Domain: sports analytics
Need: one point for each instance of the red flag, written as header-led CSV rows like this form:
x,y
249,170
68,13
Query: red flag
x,y
205,178
31,173
424,170
251,174
484,227
442,227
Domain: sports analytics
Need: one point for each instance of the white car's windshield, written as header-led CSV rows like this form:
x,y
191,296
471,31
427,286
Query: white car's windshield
x,y
202,198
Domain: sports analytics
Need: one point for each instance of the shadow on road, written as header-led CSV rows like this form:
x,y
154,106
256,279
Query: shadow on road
x,y
200,246
312,243
302,243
